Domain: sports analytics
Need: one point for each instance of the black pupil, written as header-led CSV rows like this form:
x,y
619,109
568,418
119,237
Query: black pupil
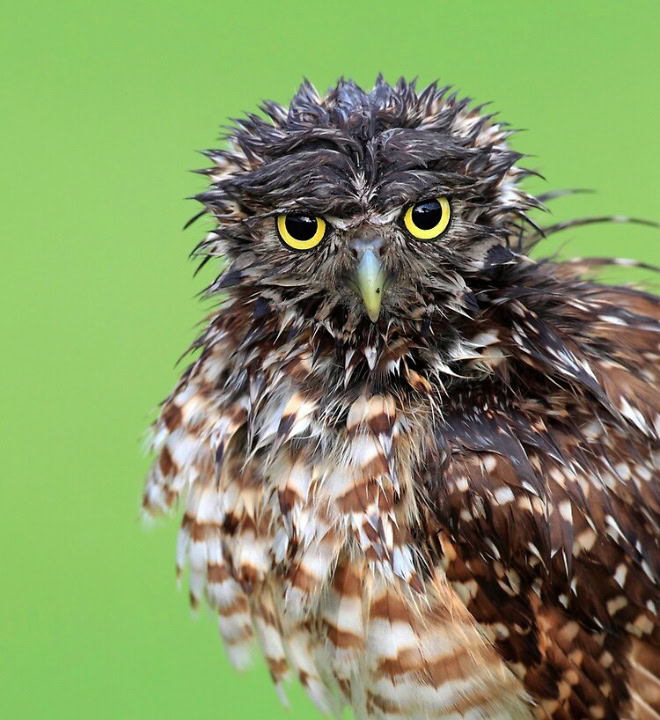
x,y
427,215
301,227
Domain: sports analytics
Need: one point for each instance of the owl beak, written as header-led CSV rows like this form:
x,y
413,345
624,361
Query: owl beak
x,y
370,280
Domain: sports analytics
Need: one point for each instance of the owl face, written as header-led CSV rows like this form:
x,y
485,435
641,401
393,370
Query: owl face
x,y
359,209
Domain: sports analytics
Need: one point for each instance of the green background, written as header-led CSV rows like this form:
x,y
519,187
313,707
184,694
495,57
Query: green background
x,y
103,107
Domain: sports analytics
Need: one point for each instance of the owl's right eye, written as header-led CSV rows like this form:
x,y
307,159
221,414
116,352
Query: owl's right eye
x,y
300,232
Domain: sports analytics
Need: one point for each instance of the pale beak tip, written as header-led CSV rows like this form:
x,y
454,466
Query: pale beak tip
x,y
370,281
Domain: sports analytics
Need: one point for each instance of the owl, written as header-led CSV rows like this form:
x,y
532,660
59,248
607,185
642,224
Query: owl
x,y
419,468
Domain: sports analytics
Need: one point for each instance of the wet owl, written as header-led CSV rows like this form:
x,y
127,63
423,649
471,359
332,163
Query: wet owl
x,y
419,468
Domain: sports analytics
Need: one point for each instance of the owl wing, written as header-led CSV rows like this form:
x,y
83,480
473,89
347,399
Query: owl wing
x,y
548,517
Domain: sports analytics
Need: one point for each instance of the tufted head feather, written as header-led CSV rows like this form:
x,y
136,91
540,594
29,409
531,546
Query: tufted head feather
x,y
359,160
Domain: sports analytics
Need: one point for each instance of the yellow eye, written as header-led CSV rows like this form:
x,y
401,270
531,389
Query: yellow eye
x,y
300,232
429,219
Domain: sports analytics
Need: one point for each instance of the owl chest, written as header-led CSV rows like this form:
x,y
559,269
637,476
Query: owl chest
x,y
326,574
317,536
299,490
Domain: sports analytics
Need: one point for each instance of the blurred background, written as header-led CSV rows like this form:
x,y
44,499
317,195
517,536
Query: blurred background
x,y
104,107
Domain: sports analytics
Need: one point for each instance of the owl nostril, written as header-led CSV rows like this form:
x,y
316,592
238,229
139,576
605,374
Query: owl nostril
x,y
359,245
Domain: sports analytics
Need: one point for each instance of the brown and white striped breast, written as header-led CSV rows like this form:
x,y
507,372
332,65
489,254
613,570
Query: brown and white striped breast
x,y
307,539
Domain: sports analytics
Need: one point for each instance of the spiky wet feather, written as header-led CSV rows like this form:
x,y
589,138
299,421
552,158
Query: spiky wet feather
x,y
454,510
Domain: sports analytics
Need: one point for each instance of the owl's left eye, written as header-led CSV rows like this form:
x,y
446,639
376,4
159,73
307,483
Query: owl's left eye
x,y
429,219
300,232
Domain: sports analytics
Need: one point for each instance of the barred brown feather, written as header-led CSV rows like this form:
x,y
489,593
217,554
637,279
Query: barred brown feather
x,y
449,510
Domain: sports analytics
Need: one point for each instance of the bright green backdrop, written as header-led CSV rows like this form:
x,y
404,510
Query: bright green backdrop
x,y
103,107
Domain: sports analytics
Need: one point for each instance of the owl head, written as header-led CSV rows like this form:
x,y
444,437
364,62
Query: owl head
x,y
362,210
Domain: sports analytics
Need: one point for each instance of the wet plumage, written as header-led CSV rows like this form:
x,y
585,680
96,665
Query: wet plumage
x,y
441,500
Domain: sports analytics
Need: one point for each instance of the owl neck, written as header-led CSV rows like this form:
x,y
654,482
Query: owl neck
x,y
512,321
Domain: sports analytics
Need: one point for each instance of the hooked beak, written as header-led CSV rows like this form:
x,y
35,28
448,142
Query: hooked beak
x,y
370,280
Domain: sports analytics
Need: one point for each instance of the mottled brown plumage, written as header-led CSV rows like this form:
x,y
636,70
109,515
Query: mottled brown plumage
x,y
440,499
